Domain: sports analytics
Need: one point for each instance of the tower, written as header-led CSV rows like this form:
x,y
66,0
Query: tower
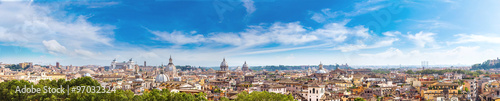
x,y
171,67
144,63
320,66
57,65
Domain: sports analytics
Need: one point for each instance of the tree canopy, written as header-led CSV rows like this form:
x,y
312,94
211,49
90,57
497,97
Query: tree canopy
x,y
263,96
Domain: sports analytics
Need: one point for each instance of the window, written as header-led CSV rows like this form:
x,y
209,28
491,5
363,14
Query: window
x,y
314,90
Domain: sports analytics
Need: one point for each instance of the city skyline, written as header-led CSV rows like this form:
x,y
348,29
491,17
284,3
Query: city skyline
x,y
366,32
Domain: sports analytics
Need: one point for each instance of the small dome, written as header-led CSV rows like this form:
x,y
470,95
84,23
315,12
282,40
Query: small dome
x,y
224,63
162,78
84,71
138,80
321,71
245,65
87,75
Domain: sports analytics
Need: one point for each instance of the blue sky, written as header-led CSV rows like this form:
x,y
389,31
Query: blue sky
x,y
261,32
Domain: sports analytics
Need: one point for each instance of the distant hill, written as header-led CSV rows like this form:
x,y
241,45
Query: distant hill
x,y
284,67
488,64
188,67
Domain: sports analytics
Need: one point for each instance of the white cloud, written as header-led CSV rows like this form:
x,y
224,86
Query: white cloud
x,y
324,15
54,47
84,53
178,37
27,25
435,23
359,8
282,49
351,47
289,33
423,39
338,32
389,53
391,33
249,5
283,33
466,38
229,38
364,10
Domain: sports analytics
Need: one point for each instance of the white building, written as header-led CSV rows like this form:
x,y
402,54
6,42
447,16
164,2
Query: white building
x,y
387,84
313,92
36,78
280,89
122,65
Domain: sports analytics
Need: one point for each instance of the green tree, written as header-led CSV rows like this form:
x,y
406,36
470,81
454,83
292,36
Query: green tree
x,y
359,99
263,96
410,72
224,99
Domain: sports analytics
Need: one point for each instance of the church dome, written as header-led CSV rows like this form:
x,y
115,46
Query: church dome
x,y
84,71
224,63
171,67
245,65
138,78
162,78
321,71
87,75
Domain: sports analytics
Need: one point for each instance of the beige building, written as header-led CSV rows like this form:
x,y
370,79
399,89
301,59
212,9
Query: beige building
x,y
440,90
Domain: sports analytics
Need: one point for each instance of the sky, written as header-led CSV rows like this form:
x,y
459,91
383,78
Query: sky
x,y
260,32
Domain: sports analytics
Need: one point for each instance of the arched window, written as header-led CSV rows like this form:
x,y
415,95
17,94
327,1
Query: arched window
x,y
314,90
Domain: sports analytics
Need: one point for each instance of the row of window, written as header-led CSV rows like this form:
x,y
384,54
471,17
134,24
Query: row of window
x,y
317,91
